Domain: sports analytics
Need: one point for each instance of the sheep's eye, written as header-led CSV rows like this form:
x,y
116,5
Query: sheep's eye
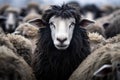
x,y
72,24
51,24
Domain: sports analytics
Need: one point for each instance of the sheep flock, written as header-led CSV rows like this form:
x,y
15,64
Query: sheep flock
x,y
60,42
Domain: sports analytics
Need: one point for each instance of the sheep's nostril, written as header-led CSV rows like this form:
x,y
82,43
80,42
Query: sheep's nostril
x,y
118,65
61,40
10,25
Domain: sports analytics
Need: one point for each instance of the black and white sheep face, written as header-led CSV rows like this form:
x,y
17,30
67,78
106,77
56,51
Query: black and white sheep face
x,y
61,31
10,22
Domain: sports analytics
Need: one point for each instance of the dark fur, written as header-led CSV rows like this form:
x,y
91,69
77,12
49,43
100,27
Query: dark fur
x,y
113,28
75,5
52,64
92,8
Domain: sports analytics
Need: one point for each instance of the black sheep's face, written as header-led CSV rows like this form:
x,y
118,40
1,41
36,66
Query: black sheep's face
x,y
61,31
11,21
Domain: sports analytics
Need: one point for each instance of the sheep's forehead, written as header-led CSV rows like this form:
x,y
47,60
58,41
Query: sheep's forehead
x,y
10,18
61,22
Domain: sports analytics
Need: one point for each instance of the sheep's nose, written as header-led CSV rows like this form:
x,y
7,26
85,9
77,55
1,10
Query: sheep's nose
x,y
62,40
10,25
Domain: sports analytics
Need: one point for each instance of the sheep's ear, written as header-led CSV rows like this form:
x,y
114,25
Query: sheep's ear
x,y
103,71
2,18
38,22
85,22
106,25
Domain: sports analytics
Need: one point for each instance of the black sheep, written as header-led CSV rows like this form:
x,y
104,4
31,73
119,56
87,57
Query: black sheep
x,y
57,62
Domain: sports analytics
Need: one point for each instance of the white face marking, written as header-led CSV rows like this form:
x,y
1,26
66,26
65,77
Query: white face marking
x,y
10,23
62,31
32,11
89,15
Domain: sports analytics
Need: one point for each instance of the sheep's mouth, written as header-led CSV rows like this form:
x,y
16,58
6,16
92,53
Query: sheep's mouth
x,y
61,46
